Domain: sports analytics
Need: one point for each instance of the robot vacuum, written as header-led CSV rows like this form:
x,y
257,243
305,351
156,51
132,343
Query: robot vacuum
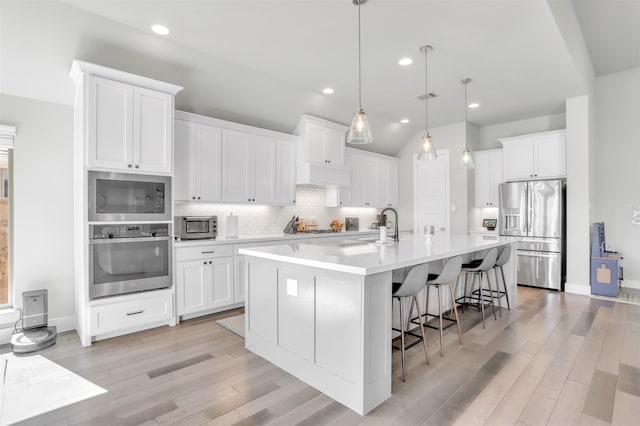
x,y
35,334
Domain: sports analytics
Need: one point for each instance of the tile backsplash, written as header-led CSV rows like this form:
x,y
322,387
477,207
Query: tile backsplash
x,y
257,219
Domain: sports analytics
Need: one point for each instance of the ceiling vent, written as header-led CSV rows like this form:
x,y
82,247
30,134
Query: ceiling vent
x,y
430,94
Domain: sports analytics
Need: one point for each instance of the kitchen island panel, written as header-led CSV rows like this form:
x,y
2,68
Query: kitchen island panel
x,y
348,312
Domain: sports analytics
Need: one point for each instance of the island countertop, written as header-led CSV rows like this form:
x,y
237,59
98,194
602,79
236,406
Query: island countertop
x,y
366,257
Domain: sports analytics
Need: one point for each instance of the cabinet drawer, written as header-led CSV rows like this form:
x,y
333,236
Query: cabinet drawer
x,y
201,252
129,314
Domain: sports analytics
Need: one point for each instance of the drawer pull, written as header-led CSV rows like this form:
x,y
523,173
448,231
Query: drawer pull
x,y
208,252
135,313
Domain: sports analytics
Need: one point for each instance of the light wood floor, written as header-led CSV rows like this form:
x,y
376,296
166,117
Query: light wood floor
x,y
556,359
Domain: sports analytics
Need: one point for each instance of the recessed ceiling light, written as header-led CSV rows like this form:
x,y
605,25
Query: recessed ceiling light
x,y
405,61
160,29
327,91
404,120
474,105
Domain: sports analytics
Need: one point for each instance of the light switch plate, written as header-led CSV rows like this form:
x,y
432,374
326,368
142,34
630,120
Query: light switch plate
x,y
292,287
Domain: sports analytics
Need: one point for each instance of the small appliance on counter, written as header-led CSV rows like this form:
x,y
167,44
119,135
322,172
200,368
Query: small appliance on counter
x,y
196,227
351,224
490,224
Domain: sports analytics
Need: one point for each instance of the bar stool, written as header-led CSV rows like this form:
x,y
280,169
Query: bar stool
x,y
446,278
477,271
504,254
410,286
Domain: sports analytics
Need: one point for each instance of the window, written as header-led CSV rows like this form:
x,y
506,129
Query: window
x,y
7,134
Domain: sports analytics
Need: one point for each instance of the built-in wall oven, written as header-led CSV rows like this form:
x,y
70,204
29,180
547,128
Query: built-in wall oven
x,y
128,197
126,258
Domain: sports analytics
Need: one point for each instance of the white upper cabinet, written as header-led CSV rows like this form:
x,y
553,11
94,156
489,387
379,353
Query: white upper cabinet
x,y
373,183
285,172
320,153
388,181
535,156
488,175
130,128
219,161
197,162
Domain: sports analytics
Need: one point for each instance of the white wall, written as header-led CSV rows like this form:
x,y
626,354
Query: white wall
x,y
578,193
43,219
617,165
444,137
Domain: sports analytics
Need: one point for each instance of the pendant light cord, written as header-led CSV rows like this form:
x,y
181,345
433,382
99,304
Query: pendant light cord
x,y
466,138
426,89
359,61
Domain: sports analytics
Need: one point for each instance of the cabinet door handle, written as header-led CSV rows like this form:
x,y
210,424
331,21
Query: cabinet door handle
x,y
198,198
193,198
137,166
210,262
129,165
204,263
208,252
135,313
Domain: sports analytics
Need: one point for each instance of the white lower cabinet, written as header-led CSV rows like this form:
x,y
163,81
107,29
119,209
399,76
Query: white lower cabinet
x,y
204,278
134,312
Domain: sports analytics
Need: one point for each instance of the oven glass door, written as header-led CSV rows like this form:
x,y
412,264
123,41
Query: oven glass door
x,y
197,227
127,265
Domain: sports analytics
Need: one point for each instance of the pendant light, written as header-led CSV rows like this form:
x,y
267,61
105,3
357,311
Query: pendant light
x,y
466,162
359,132
426,143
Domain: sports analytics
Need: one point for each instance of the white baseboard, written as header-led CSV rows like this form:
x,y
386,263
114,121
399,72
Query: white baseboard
x,y
631,284
573,288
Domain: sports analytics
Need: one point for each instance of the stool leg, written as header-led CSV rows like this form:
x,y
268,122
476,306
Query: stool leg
x,y
402,336
493,308
426,305
424,335
440,318
498,296
455,312
481,300
466,278
504,285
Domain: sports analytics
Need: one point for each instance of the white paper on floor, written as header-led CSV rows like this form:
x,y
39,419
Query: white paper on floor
x,y
33,385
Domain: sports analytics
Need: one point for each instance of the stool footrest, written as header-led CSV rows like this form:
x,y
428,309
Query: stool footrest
x,y
410,345
426,323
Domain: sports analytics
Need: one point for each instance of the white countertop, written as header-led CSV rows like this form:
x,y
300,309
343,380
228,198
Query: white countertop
x,y
256,238
365,258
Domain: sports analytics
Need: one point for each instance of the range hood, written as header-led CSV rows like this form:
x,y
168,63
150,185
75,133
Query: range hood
x,y
320,153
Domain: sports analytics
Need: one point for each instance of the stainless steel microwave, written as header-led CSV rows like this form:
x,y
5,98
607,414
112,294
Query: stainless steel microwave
x,y
128,197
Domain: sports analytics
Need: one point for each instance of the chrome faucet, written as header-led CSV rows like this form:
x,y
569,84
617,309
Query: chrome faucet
x,y
395,234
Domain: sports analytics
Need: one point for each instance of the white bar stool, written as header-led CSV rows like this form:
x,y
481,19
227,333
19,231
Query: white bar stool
x,y
477,271
410,286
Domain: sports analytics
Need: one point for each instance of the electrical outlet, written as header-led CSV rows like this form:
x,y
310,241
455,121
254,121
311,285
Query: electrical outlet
x,y
292,287
635,217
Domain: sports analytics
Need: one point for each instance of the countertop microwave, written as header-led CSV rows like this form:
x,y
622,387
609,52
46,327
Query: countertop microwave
x,y
128,197
195,227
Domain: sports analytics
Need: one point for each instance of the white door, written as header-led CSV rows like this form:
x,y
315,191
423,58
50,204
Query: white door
x,y
285,172
235,166
192,277
110,124
152,130
221,290
334,147
209,163
431,193
262,170
184,157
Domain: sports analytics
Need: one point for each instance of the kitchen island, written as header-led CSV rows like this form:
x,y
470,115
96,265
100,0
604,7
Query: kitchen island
x,y
322,311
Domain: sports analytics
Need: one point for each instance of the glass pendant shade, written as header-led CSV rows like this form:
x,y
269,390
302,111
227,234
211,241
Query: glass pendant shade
x,y
359,132
427,151
466,162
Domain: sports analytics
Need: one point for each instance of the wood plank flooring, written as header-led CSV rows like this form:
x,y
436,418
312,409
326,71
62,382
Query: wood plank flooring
x,y
557,359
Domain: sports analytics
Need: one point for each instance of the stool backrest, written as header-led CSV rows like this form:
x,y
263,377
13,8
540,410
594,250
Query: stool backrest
x,y
450,271
413,281
504,256
489,260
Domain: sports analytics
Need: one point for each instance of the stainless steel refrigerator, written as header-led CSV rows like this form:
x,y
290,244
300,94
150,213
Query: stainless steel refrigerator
x,y
535,211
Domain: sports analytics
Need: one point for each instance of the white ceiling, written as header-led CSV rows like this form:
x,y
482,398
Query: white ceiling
x,y
265,62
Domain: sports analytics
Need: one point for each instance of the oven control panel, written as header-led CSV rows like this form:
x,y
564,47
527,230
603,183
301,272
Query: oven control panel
x,y
124,230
